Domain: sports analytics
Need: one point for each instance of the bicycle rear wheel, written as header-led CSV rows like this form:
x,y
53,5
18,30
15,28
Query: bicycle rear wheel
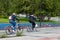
x,y
29,29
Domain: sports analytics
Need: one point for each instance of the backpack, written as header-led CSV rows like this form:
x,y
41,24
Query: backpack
x,y
10,17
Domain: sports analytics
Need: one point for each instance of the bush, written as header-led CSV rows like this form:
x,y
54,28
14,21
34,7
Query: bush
x,y
49,21
27,19
23,19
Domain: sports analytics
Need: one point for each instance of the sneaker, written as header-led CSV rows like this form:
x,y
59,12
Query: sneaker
x,y
13,31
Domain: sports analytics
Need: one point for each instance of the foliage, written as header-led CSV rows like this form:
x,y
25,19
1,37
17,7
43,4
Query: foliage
x,y
48,8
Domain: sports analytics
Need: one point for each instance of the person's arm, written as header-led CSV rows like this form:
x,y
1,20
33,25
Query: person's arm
x,y
34,18
17,18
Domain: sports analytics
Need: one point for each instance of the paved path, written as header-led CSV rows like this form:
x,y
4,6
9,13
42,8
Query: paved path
x,y
49,33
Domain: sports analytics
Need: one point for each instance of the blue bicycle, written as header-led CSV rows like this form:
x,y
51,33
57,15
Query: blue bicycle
x,y
9,29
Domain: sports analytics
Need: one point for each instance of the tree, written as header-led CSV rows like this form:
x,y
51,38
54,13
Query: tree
x,y
48,8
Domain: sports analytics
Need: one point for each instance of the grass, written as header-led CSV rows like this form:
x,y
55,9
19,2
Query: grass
x,y
2,20
19,33
6,36
3,36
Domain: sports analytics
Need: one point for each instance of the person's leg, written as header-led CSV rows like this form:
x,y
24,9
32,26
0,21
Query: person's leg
x,y
13,24
33,25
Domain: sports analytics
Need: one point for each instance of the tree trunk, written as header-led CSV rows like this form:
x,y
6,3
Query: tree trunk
x,y
49,18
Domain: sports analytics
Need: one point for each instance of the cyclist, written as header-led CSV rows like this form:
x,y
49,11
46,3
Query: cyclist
x,y
12,20
32,21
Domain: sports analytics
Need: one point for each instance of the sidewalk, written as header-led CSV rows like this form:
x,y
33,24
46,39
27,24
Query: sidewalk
x,y
38,37
49,33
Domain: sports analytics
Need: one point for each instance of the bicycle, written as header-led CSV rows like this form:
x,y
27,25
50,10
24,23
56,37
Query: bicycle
x,y
9,29
29,28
